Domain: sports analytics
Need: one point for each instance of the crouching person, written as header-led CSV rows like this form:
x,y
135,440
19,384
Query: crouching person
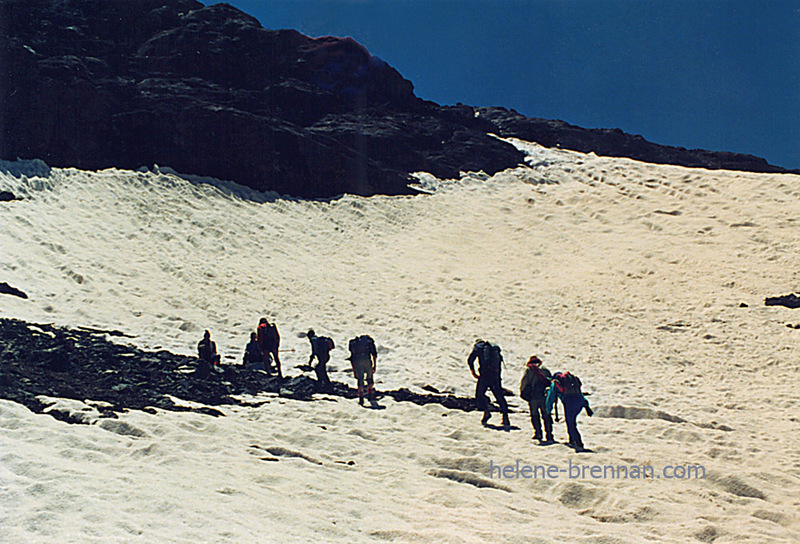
x,y
207,354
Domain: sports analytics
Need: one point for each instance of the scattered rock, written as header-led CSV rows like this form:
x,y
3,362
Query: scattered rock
x,y
6,196
790,301
6,289
709,534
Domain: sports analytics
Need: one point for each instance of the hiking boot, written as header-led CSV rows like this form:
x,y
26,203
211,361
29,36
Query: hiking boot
x,y
486,416
361,401
549,439
506,421
537,436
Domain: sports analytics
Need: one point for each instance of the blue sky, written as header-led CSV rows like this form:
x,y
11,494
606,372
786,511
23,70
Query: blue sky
x,y
714,74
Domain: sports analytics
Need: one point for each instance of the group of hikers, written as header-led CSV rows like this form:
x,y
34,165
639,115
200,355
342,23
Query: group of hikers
x,y
539,387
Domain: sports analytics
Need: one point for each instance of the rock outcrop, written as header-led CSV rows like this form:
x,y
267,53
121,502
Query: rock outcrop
x,y
7,289
790,301
208,91
615,143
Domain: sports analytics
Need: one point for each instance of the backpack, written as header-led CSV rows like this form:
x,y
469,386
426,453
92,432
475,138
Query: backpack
x,y
527,393
322,344
361,345
538,385
492,357
267,335
567,384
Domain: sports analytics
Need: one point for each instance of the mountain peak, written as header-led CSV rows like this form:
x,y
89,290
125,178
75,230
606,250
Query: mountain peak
x,y
207,90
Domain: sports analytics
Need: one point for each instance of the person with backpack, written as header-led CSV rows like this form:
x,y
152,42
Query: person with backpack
x,y
567,387
321,347
269,341
533,388
253,358
490,360
364,360
207,353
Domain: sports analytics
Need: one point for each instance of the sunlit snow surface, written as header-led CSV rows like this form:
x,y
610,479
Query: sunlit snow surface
x,y
628,274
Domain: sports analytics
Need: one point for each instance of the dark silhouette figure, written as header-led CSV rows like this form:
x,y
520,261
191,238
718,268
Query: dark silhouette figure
x,y
490,360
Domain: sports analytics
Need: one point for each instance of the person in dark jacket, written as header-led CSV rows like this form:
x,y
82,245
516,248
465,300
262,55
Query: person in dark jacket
x,y
269,341
253,358
321,347
533,388
490,360
567,387
364,360
207,353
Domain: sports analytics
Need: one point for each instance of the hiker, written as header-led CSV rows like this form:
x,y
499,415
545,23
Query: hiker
x,y
567,387
253,359
364,359
268,341
321,347
207,353
490,359
533,388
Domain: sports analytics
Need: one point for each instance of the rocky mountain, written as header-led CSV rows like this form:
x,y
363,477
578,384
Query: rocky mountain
x,y
207,90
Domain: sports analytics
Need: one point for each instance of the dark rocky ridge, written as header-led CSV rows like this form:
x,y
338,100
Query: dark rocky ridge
x,y
208,91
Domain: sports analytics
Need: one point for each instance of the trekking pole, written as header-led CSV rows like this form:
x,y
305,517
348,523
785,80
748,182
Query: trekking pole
x,y
287,349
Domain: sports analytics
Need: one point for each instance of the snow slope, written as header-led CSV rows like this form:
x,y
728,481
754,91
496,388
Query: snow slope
x,y
628,274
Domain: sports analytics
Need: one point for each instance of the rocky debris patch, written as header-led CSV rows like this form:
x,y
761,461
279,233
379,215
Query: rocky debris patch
x,y
790,301
6,289
95,378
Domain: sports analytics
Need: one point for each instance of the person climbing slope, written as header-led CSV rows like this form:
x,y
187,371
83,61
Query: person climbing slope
x,y
269,341
321,347
533,388
364,360
567,387
490,360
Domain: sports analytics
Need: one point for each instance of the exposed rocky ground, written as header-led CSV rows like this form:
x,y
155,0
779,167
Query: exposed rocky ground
x,y
43,362
790,301
206,90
